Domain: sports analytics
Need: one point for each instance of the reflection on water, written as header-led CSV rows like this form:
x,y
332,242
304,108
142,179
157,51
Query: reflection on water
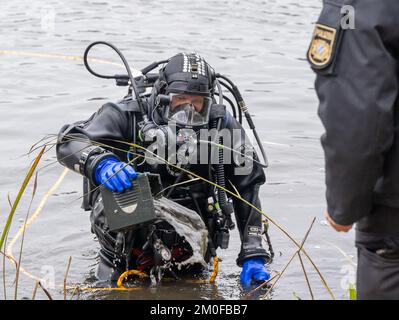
x,y
260,44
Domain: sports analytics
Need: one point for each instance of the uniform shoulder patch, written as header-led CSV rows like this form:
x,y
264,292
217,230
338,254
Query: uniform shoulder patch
x,y
321,50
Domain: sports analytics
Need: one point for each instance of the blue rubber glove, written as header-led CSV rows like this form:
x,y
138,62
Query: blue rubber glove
x,y
121,178
253,269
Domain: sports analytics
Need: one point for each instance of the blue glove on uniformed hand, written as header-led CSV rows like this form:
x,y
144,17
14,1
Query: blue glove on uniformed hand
x,y
114,174
253,269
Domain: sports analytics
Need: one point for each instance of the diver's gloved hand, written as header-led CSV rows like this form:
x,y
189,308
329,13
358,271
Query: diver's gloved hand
x,y
253,270
114,174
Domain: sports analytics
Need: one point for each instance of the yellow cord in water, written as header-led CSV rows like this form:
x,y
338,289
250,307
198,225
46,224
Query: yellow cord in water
x,y
55,56
122,277
144,275
215,269
213,276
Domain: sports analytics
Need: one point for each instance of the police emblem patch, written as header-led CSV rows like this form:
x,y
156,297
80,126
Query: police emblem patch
x,y
321,48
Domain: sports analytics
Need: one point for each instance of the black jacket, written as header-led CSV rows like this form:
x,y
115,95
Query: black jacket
x,y
118,122
357,85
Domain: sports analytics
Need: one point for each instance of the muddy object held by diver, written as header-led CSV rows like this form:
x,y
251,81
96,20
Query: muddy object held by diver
x,y
133,207
189,227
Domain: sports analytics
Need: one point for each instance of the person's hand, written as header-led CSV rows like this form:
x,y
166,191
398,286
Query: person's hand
x,y
253,270
114,174
336,226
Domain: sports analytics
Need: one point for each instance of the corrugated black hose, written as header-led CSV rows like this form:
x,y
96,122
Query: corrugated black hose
x,y
226,207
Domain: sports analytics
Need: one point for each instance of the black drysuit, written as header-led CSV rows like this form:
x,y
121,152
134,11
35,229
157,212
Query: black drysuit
x,y
118,122
357,85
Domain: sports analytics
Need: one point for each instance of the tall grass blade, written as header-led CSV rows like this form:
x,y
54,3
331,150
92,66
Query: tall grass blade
x,y
45,291
9,200
35,290
66,276
23,238
18,198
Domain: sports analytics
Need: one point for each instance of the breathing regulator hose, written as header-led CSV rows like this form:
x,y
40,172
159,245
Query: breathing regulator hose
x,y
244,109
220,176
118,78
225,206
125,63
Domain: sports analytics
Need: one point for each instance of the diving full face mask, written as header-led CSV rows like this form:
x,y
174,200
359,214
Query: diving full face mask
x,y
186,110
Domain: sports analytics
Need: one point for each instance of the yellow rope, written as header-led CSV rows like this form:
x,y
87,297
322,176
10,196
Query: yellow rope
x,y
56,56
122,277
215,269
213,275
144,275
94,289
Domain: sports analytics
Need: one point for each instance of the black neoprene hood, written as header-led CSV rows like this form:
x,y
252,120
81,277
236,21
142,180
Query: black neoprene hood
x,y
188,73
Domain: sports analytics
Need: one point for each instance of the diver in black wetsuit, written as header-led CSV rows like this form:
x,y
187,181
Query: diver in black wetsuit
x,y
183,96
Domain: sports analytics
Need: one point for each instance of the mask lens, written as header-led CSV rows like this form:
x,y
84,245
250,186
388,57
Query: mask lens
x,y
180,99
188,110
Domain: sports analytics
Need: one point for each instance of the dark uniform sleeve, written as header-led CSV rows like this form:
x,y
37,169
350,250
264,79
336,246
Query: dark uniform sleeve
x,y
357,86
97,135
247,179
